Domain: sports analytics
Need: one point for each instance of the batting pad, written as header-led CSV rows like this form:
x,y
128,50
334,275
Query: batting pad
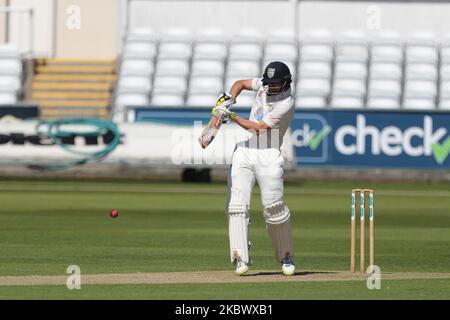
x,y
238,232
278,225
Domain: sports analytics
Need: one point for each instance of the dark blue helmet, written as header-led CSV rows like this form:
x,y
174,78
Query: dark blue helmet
x,y
277,77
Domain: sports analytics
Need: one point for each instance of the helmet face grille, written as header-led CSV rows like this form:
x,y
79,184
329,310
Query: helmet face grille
x,y
277,87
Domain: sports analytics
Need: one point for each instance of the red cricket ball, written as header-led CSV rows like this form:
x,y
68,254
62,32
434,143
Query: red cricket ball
x,y
113,213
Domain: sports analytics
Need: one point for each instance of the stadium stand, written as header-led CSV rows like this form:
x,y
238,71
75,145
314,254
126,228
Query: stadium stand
x,y
178,68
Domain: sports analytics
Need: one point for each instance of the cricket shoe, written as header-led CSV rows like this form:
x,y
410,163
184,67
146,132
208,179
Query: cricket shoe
x,y
287,266
241,267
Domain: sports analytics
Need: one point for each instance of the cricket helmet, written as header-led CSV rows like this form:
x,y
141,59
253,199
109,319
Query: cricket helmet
x,y
277,77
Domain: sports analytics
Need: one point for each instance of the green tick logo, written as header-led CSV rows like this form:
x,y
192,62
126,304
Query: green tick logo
x,y
315,141
441,151
310,138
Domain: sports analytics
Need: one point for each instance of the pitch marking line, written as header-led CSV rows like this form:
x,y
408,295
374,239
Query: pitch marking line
x,y
190,190
211,277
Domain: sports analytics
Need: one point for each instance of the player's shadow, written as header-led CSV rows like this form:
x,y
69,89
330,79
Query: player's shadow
x,y
273,273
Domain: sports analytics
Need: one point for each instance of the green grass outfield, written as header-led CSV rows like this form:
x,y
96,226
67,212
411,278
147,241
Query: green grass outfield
x,y
45,226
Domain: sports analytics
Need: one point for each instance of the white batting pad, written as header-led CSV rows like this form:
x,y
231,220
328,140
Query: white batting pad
x,y
278,225
238,232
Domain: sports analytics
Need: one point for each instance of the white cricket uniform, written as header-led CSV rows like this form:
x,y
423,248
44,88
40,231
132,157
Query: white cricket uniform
x,y
259,158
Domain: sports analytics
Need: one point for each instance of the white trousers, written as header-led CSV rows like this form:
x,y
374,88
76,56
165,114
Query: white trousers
x,y
266,167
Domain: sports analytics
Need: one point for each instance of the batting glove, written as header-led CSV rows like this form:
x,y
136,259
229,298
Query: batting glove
x,y
225,100
226,112
220,109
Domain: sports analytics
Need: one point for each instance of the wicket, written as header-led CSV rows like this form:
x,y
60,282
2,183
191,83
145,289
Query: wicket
x,y
362,204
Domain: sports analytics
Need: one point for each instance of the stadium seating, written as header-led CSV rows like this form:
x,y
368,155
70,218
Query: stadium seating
x,y
351,70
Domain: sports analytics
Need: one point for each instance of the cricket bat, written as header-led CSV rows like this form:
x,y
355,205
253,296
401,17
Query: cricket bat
x,y
211,129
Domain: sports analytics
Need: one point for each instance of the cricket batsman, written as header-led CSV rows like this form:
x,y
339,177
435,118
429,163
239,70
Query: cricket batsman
x,y
259,158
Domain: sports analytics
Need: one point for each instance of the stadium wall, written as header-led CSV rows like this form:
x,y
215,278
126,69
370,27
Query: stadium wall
x,y
55,33
100,38
402,17
97,35
196,15
163,143
337,16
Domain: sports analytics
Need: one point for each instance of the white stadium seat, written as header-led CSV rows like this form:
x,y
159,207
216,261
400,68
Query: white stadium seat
x,y
217,51
144,50
9,83
136,67
211,85
445,72
421,54
387,53
203,67
349,87
172,67
352,46
317,36
352,53
313,86
445,54
201,100
444,104
385,88
134,84
352,37
420,89
167,100
352,70
177,34
444,90
423,38
175,50
346,102
418,104
211,35
281,51
382,103
314,69
10,66
172,84
387,47
9,50
131,99
245,51
316,52
310,102
143,34
243,68
386,36
7,98
385,71
421,71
